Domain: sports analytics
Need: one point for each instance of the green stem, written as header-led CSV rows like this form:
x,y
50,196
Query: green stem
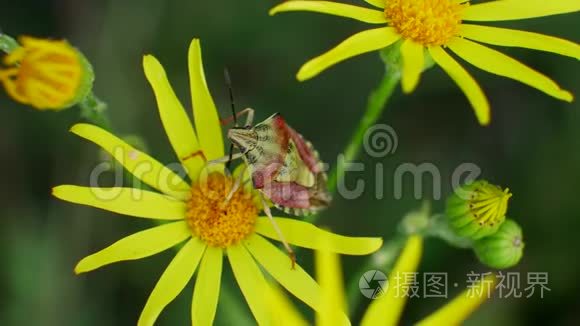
x,y
95,111
7,43
439,228
375,106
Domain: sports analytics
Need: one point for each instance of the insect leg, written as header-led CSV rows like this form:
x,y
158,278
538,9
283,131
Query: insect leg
x,y
249,119
226,158
279,232
236,185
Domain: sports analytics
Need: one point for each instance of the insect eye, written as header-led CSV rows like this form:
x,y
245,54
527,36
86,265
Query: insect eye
x,y
248,127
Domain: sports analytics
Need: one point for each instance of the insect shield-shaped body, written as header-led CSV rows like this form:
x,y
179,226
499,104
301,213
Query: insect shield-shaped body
x,y
284,166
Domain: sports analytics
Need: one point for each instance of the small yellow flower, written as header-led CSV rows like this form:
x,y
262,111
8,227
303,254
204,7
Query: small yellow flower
x,y
437,26
198,213
46,74
387,309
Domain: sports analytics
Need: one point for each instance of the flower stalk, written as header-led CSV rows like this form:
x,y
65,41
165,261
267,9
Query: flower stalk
x,y
376,104
95,111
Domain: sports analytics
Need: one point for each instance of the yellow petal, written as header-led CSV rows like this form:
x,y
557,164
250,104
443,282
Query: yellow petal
x,y
174,279
518,9
207,122
136,246
251,282
377,3
126,201
333,8
207,287
141,165
456,311
306,235
367,41
283,311
12,88
413,61
522,39
279,266
500,64
464,80
329,276
175,120
387,309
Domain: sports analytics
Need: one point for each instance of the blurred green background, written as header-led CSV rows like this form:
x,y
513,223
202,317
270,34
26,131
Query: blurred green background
x,y
532,147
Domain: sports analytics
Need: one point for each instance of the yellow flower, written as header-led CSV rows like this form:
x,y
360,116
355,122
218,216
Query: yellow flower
x,y
46,74
386,309
437,26
197,213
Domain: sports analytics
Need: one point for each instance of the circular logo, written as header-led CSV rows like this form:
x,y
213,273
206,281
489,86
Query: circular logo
x,y
373,284
380,140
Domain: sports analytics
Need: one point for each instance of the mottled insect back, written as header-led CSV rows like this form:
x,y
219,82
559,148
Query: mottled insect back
x,y
284,166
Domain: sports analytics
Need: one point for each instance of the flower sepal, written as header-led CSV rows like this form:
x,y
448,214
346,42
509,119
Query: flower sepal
x,y
7,43
393,60
85,86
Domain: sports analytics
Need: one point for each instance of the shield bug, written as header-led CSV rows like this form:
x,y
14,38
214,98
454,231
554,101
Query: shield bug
x,y
283,165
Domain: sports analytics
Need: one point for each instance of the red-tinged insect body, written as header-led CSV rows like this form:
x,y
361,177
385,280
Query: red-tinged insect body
x,y
284,166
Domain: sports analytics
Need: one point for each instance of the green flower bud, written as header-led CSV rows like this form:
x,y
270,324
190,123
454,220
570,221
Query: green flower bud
x,y
502,249
477,209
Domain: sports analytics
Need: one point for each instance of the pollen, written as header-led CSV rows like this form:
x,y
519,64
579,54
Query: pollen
x,y
45,74
427,22
213,218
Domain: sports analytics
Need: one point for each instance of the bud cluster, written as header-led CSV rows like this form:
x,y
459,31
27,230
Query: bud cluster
x,y
477,212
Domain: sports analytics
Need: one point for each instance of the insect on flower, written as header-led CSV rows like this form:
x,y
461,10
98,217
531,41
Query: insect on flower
x,y
283,166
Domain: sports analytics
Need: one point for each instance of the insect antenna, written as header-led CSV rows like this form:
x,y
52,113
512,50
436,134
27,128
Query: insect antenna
x,y
233,107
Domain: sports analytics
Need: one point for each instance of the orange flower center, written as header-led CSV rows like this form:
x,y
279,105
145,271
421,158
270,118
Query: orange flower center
x,y
427,22
220,222
42,73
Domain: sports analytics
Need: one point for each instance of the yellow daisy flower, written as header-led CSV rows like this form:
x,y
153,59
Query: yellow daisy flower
x,y
46,74
387,309
437,26
197,213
